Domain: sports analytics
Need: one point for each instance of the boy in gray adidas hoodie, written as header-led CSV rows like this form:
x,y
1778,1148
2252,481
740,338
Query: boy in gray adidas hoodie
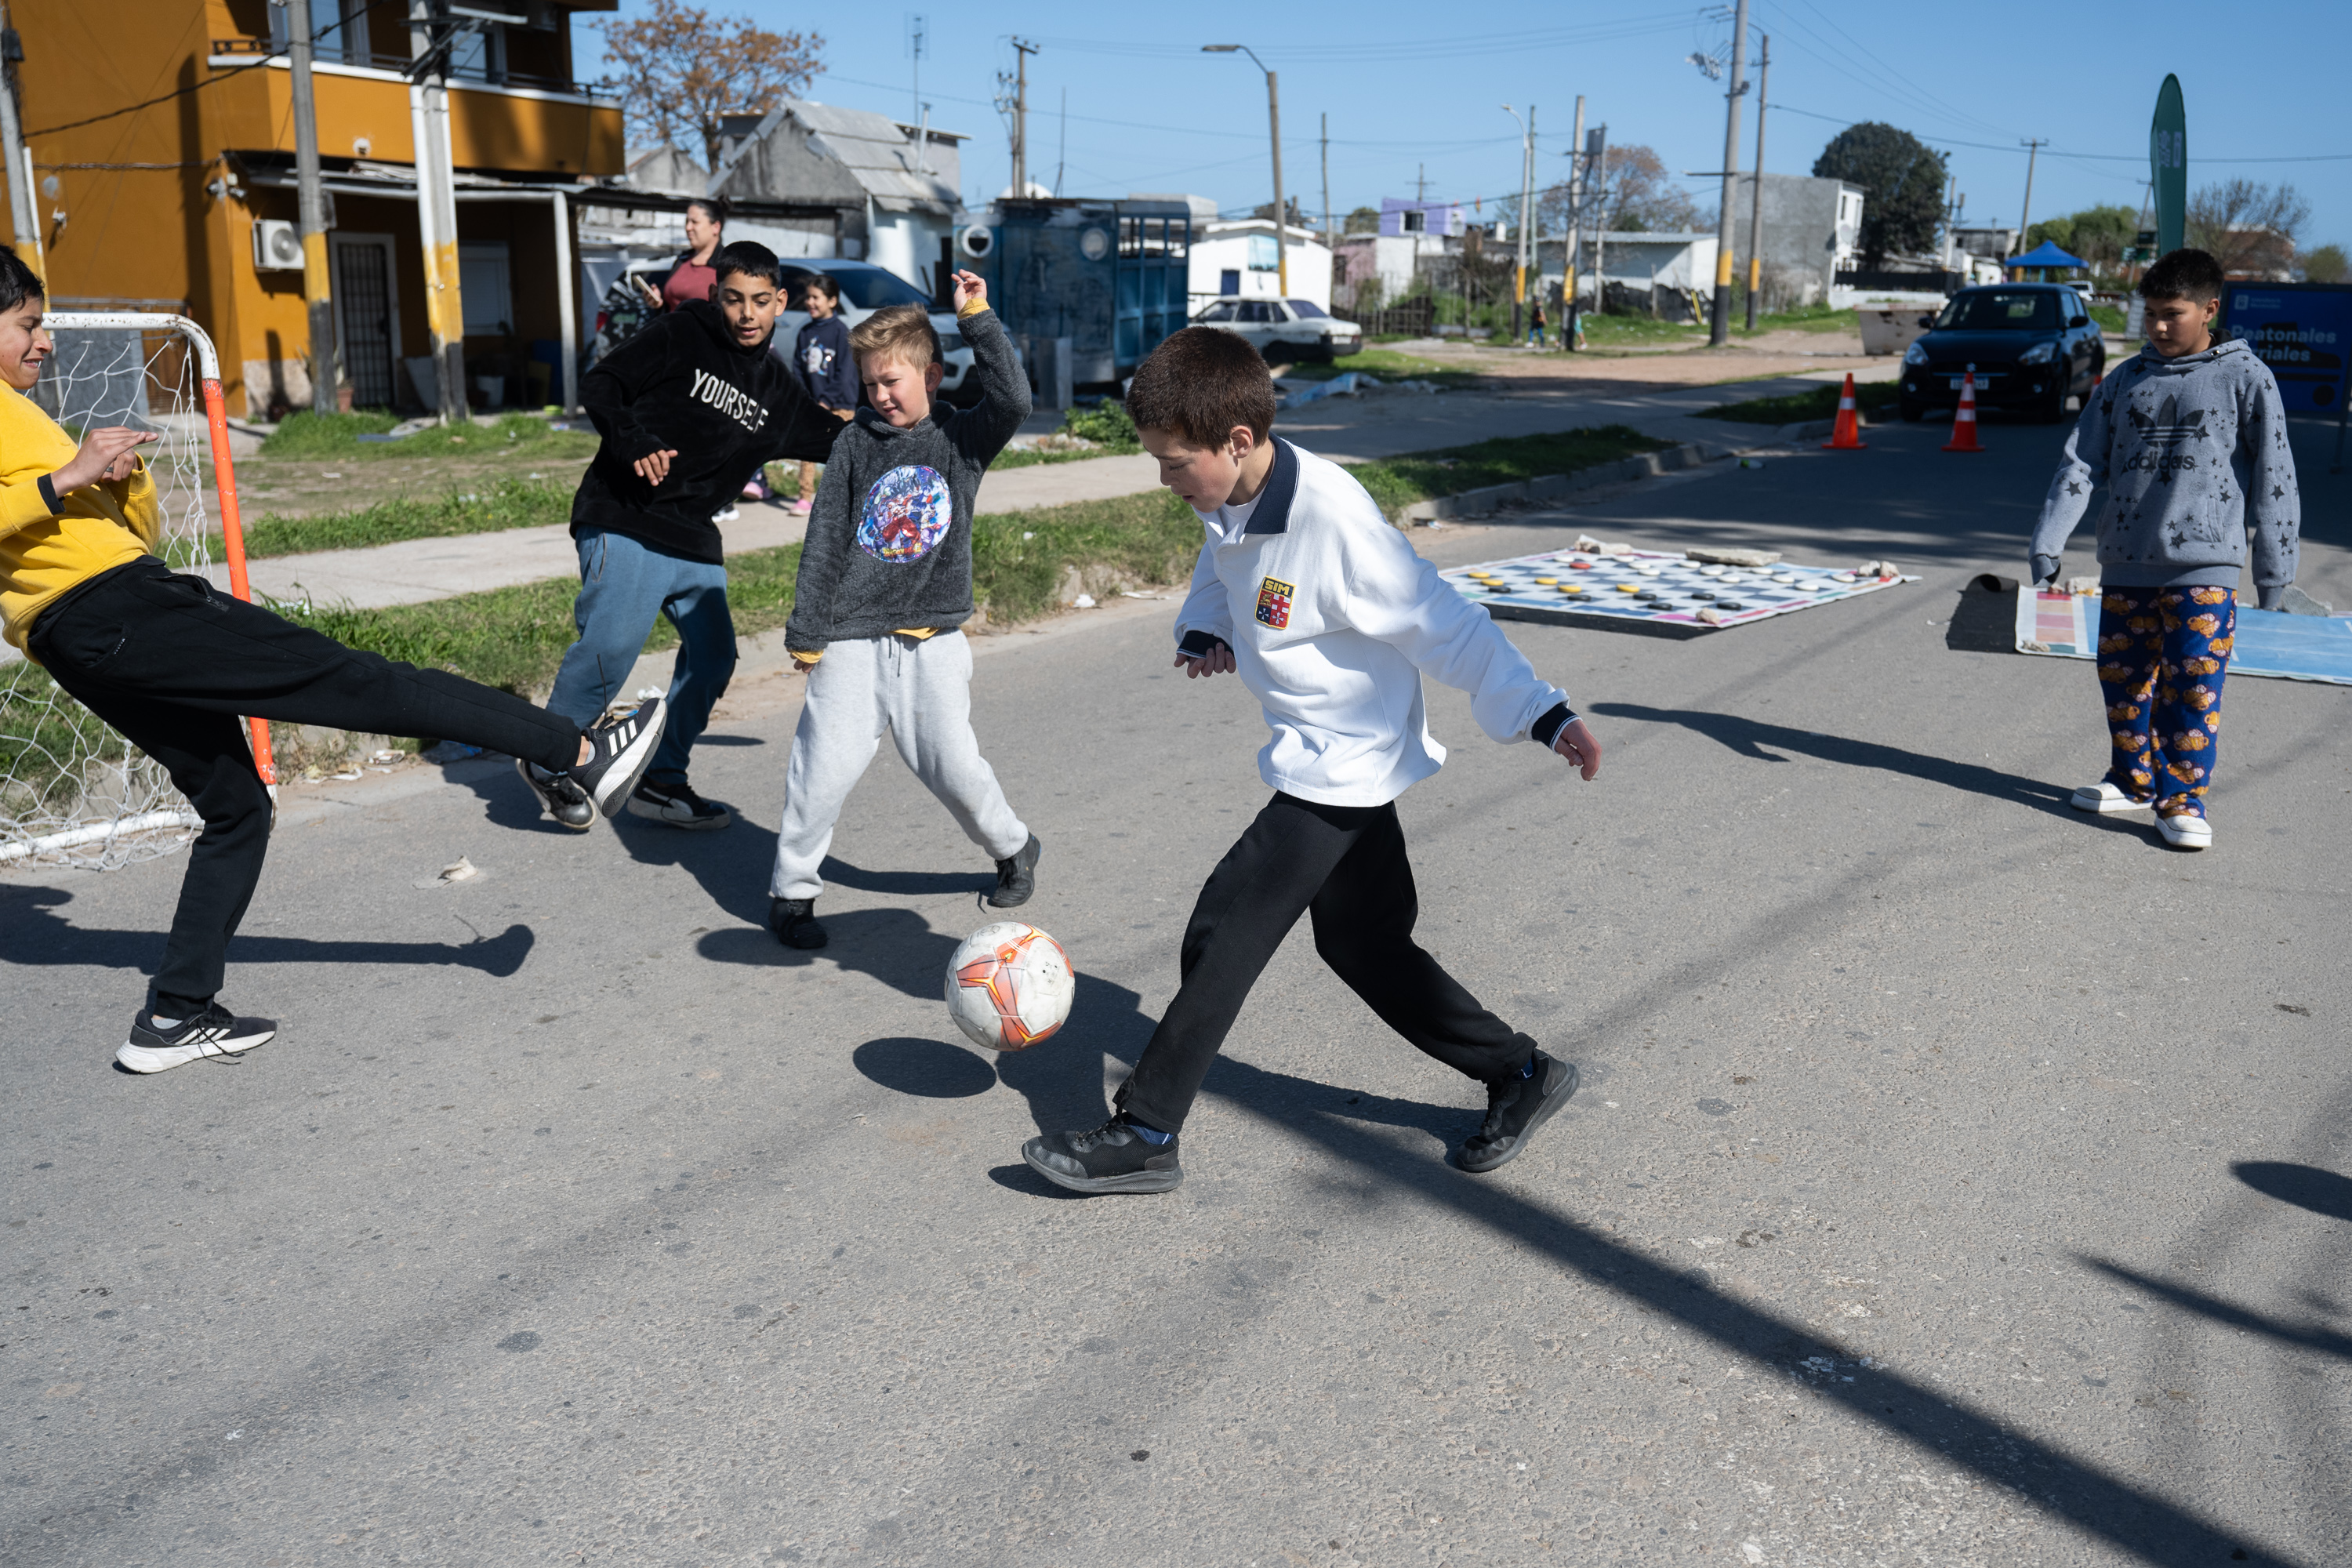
x,y
885,584
2190,438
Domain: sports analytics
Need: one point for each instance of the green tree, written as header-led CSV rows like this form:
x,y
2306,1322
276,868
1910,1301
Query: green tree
x,y
1902,179
1363,220
2097,235
2324,264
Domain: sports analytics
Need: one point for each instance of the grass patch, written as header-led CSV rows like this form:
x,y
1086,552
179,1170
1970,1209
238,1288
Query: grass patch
x,y
1874,398
336,436
507,503
2110,320
1810,319
1613,332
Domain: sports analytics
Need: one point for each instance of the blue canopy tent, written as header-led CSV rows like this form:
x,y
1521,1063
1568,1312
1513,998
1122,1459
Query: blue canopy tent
x,y
2043,258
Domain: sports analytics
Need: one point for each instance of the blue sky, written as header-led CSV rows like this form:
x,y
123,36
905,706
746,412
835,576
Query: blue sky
x,y
1415,87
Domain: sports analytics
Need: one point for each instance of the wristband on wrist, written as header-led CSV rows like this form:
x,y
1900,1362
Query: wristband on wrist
x,y
48,495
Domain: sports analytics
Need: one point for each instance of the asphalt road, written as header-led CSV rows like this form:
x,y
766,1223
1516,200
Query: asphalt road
x,y
1955,1179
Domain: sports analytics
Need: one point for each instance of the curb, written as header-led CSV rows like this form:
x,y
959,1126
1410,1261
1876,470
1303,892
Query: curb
x,y
1488,498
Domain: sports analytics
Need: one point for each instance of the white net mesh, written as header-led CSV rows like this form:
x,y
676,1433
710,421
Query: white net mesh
x,y
72,790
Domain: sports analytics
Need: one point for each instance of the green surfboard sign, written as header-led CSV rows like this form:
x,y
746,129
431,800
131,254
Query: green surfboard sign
x,y
2167,161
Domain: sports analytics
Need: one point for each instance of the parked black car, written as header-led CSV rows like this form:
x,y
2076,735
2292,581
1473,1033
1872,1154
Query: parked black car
x,y
2032,345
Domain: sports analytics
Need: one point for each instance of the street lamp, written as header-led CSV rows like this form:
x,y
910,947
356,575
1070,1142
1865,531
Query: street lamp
x,y
1527,206
1274,119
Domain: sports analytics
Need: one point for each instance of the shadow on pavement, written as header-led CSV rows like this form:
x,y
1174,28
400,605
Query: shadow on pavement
x,y
2309,1336
40,935
1984,620
1749,737
1935,1420
932,1068
2305,1186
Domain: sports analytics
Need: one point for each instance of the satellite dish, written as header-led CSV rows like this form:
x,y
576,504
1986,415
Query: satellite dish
x,y
977,239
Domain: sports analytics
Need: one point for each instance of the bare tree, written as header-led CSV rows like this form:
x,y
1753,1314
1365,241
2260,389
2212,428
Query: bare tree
x,y
679,67
1632,193
2249,227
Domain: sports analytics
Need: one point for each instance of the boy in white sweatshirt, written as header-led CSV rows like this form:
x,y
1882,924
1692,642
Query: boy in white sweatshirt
x,y
1330,619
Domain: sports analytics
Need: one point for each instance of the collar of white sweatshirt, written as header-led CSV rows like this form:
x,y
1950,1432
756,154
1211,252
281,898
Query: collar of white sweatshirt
x,y
1333,619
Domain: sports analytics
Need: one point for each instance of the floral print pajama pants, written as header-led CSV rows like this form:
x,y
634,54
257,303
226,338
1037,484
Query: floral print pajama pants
x,y
2163,655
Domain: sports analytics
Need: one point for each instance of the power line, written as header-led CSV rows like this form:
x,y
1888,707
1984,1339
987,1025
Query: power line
x,y
2102,157
175,92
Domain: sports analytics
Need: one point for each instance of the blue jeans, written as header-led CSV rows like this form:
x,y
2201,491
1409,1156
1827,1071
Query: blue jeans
x,y
623,585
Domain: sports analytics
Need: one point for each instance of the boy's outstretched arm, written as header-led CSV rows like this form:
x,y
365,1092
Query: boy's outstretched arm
x,y
1398,597
2273,504
610,390
2081,469
981,430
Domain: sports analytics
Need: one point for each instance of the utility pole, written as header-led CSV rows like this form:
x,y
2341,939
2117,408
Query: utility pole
x,y
2032,150
1756,213
316,288
23,220
436,204
1571,253
1527,216
1329,243
1719,317
1021,50
1598,153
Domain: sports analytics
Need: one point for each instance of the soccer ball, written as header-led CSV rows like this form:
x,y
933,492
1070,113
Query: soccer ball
x,y
1009,985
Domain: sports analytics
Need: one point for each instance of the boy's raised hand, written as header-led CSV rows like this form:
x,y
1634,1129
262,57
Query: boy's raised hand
x,y
970,287
108,453
1575,743
653,467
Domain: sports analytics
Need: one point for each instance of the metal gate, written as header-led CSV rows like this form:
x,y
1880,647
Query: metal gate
x,y
363,310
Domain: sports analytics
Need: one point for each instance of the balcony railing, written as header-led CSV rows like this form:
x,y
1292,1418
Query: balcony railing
x,y
398,64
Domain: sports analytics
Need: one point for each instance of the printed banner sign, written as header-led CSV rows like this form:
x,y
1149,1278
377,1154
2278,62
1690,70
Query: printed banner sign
x,y
2302,332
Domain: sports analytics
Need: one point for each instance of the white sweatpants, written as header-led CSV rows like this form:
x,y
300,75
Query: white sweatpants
x,y
920,691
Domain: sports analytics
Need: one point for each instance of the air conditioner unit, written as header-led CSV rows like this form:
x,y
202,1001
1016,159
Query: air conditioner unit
x,y
276,246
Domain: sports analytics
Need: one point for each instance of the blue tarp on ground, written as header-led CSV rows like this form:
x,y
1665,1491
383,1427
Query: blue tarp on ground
x,y
2267,643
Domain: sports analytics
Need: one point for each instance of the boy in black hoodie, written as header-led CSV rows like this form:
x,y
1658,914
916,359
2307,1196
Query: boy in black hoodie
x,y
689,408
884,582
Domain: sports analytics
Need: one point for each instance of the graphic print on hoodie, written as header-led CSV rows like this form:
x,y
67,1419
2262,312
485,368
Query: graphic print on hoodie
x,y
2193,454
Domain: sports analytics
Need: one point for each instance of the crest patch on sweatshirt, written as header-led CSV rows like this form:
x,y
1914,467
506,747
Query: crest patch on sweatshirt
x,y
906,514
1274,602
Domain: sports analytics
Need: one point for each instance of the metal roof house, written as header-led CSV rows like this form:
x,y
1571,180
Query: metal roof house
x,y
894,184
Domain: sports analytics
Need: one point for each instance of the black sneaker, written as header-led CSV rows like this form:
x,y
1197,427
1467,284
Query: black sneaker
x,y
565,801
1017,879
678,805
795,923
1515,1108
1113,1158
621,747
214,1032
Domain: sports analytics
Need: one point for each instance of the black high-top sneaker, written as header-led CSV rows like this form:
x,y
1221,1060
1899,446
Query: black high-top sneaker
x,y
1515,1107
1113,1158
795,923
1016,878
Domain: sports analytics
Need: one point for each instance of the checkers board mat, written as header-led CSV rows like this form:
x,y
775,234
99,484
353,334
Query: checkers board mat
x,y
1651,591
2268,642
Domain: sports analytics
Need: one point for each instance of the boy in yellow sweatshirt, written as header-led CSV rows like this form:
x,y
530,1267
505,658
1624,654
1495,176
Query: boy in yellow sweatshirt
x,y
170,662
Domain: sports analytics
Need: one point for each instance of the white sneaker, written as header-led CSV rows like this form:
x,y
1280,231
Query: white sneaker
x,y
214,1032
2105,797
728,513
2186,831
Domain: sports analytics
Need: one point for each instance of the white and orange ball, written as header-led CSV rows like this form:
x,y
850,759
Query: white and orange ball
x,y
1009,985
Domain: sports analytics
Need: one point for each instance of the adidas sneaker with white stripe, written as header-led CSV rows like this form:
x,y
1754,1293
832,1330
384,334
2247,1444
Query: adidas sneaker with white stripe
x,y
214,1032
621,748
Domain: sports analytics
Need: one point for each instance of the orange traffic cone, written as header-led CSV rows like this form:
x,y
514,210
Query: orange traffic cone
x,y
1964,420
1847,436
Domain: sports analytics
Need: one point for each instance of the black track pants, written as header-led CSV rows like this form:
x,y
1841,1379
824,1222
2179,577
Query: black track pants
x,y
171,661
1345,866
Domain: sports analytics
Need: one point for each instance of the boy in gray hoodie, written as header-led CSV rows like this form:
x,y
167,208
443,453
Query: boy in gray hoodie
x,y
2190,438
885,583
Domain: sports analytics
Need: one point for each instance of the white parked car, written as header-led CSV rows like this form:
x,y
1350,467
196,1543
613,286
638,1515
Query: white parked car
x,y
1283,329
864,288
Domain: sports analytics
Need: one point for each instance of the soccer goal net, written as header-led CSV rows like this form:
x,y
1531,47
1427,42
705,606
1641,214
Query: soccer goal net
x,y
72,790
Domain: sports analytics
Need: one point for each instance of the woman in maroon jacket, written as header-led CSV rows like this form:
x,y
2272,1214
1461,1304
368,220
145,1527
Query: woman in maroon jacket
x,y
690,277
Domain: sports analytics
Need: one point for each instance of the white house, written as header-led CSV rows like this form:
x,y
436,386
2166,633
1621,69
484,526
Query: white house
x,y
894,182
1237,256
1657,267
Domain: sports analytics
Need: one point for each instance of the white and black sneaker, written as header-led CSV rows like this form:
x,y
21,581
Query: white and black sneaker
x,y
1113,1158
678,805
214,1032
620,748
565,801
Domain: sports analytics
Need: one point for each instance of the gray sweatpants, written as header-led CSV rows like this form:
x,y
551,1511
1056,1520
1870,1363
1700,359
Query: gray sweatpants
x,y
920,691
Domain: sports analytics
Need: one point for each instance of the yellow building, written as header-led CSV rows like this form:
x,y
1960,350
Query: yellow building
x,y
178,204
